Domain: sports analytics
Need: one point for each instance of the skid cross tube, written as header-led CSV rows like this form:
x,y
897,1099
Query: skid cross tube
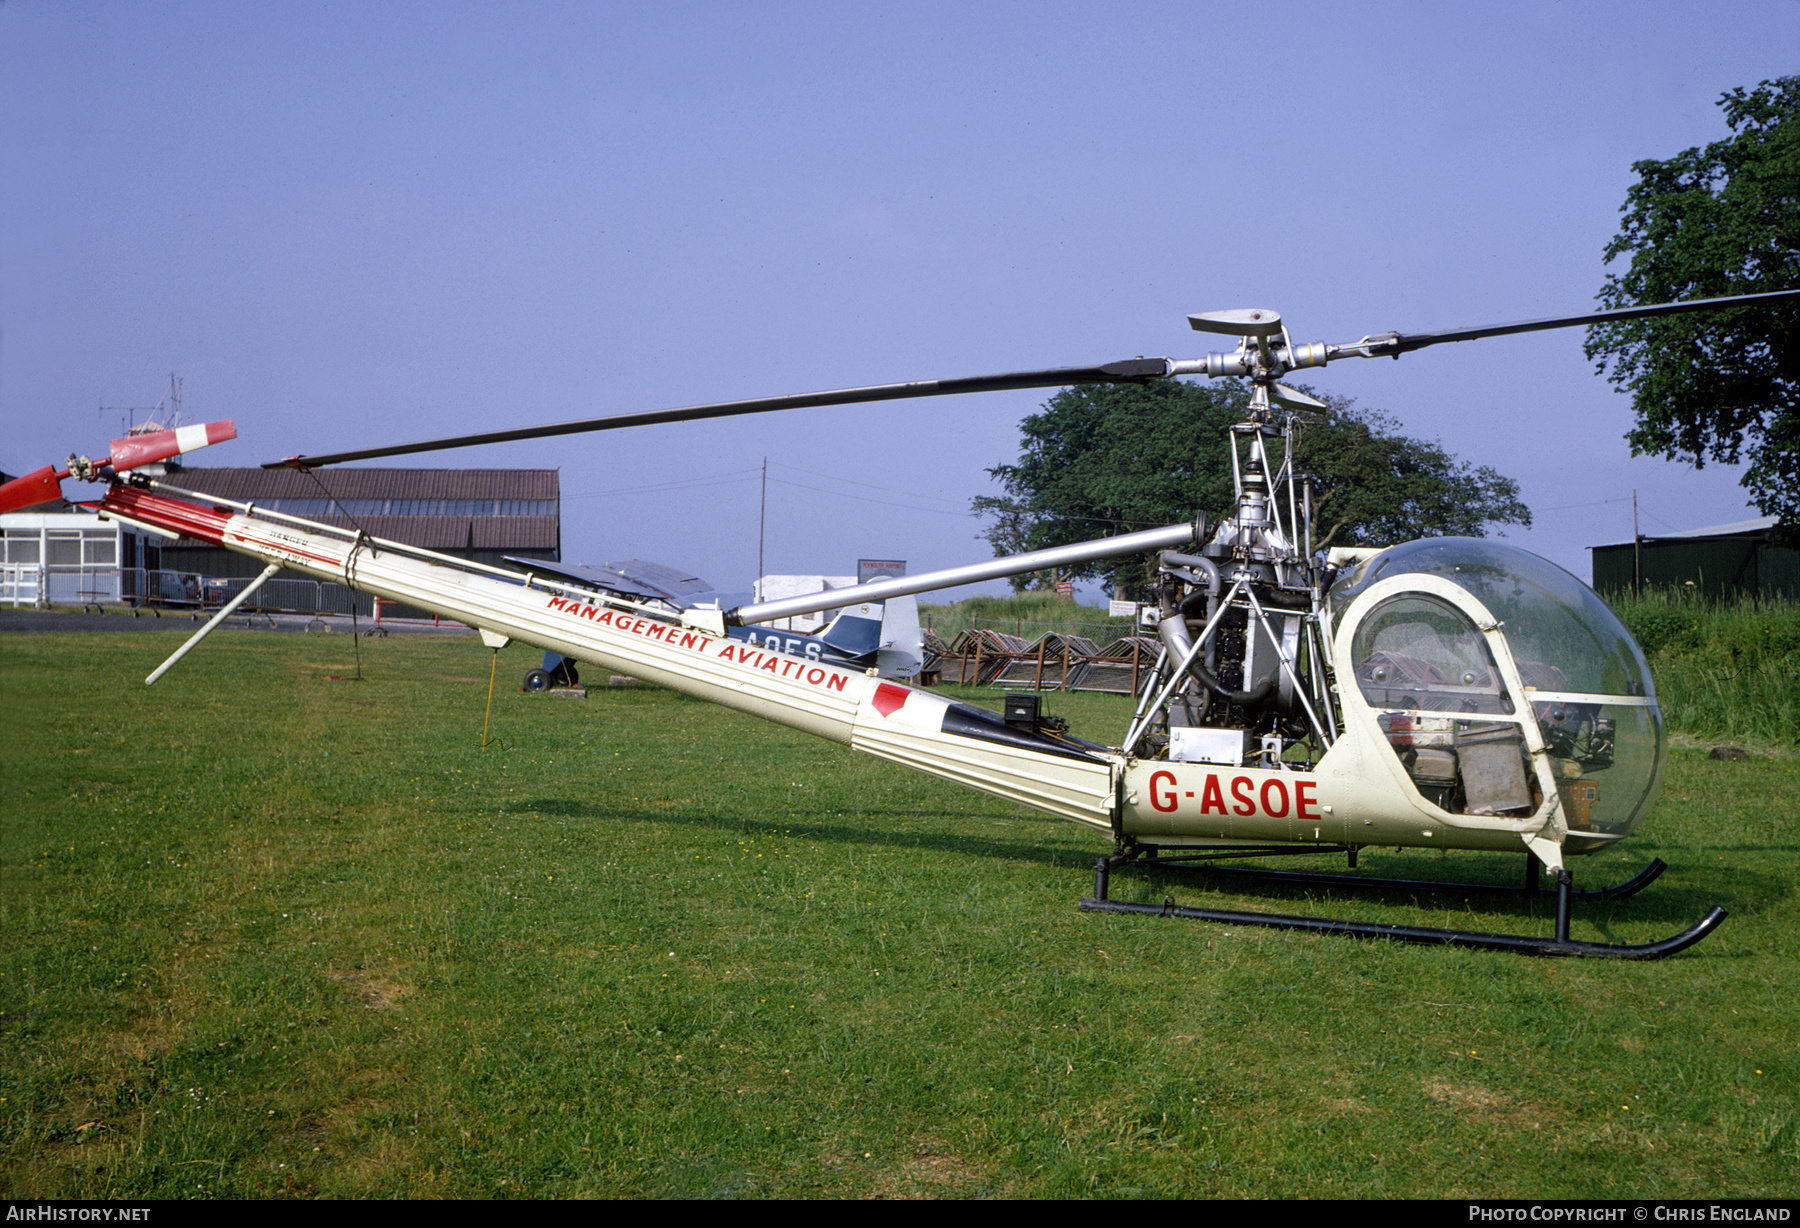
x,y
1521,944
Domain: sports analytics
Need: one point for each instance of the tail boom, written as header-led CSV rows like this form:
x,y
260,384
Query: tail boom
x,y
854,709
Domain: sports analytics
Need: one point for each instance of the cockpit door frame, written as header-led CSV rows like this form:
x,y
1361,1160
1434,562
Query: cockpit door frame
x,y
1543,829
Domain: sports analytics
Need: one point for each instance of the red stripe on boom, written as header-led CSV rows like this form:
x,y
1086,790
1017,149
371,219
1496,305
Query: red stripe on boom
x,y
189,519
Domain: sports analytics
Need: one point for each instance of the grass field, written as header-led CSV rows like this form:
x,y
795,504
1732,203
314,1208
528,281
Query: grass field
x,y
266,934
1028,615
1726,668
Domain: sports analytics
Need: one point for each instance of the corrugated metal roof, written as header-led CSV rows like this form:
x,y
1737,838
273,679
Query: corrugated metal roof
x,y
512,532
254,485
450,532
457,532
1741,528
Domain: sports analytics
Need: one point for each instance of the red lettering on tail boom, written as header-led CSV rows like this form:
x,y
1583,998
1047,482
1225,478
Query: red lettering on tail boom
x,y
701,644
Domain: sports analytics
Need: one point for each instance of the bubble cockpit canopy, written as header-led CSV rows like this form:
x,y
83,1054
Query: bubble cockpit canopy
x,y
1549,617
1588,690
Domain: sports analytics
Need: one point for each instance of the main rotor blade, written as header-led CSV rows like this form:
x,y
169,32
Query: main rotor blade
x,y
1130,371
1396,344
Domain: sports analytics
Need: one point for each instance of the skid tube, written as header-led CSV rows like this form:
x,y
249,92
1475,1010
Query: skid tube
x,y
1204,863
1521,944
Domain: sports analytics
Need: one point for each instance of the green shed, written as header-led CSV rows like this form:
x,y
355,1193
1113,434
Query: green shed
x,y
1723,560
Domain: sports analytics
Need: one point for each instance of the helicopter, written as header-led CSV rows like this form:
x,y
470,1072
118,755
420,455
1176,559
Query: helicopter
x,y
1453,693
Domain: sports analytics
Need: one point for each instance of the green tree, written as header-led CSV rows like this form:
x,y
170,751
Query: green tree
x,y
1713,221
1373,486
1102,460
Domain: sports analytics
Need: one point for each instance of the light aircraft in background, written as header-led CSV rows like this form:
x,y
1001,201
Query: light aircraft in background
x,y
883,635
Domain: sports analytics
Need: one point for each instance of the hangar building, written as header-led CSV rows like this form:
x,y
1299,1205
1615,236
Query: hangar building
x,y
1723,560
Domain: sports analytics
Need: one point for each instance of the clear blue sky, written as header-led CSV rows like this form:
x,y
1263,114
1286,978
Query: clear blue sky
x,y
349,224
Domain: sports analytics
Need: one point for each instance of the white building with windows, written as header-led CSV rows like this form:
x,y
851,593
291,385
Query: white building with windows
x,y
76,558
776,588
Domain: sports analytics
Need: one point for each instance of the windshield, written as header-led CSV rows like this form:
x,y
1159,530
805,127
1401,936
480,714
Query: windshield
x,y
1563,636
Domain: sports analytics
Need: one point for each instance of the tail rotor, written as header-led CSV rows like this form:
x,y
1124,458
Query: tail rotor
x,y
45,485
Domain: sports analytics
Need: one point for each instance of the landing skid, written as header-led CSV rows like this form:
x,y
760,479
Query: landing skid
x,y
1617,891
1564,892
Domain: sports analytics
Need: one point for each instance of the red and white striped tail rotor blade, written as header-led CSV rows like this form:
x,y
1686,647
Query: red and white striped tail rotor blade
x,y
44,486
135,450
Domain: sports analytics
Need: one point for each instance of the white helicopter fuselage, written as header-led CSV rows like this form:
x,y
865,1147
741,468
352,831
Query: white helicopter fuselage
x,y
1357,794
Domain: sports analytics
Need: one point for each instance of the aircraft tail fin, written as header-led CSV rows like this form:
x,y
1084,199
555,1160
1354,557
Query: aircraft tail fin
x,y
902,651
886,634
